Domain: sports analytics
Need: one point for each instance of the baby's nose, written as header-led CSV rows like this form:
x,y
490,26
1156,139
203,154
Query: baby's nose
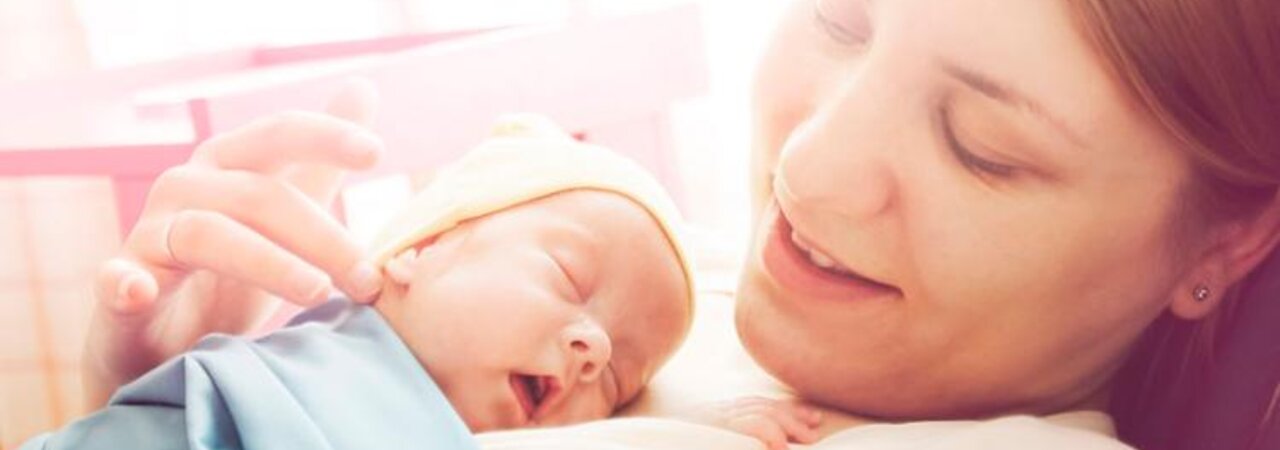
x,y
588,348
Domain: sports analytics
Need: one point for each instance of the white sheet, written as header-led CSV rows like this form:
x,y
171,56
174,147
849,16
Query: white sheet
x,y
1070,431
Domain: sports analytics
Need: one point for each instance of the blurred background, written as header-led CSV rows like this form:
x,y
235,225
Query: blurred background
x,y
98,96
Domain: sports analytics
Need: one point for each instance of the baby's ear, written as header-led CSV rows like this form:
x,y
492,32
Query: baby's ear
x,y
400,268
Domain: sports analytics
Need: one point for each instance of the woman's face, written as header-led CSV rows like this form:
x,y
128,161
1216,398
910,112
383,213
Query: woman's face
x,y
959,211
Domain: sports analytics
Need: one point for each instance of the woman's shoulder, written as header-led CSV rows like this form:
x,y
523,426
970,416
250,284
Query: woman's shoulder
x,y
1091,430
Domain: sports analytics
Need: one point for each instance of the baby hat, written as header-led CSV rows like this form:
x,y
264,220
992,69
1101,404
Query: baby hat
x,y
526,157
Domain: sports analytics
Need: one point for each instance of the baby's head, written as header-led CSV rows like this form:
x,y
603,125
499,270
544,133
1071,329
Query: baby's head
x,y
538,280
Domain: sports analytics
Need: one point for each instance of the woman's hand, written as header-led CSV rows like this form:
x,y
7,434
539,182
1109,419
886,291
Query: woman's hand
x,y
225,236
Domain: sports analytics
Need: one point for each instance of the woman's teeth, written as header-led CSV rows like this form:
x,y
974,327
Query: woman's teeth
x,y
816,257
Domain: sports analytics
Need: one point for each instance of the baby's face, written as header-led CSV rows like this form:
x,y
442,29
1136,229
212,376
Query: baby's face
x,y
556,311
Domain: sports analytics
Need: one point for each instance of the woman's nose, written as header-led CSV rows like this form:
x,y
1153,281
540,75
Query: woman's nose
x,y
823,171
839,160
588,348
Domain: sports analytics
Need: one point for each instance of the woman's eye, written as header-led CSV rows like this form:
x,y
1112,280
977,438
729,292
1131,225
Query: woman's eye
x,y
967,157
845,21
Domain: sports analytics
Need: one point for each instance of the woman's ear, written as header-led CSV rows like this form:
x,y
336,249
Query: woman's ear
x,y
400,268
1237,248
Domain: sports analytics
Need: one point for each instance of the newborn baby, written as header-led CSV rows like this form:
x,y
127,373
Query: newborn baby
x,y
559,302
537,281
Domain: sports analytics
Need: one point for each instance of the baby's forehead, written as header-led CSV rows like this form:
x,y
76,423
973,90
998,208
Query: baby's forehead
x,y
603,218
590,200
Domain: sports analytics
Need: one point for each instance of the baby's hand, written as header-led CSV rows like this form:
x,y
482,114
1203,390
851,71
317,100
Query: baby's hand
x,y
775,422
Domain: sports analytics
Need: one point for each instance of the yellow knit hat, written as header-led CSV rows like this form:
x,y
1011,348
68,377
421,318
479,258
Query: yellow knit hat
x,y
526,157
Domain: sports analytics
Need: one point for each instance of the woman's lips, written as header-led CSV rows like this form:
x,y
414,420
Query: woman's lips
x,y
794,272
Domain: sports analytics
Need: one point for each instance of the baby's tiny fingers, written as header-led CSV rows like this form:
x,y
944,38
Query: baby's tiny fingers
x,y
794,427
809,415
813,417
763,428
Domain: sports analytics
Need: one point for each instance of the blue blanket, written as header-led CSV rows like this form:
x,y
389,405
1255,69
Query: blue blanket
x,y
337,377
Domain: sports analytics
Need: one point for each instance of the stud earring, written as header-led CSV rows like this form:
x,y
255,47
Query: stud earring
x,y
1200,293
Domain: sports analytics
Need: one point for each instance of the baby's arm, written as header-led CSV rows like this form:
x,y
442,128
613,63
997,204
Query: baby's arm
x,y
775,422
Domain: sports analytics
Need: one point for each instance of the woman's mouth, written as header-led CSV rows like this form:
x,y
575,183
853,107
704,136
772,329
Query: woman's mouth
x,y
799,267
822,260
531,393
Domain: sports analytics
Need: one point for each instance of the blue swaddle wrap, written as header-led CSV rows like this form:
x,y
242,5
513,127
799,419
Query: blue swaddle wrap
x,y
337,377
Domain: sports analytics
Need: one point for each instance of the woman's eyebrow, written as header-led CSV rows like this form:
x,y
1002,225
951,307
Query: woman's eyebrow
x,y
1002,93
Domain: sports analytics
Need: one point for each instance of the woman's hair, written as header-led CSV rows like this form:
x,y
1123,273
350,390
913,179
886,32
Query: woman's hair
x,y
1209,72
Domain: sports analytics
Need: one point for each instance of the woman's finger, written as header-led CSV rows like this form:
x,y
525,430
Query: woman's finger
x,y
119,346
357,103
269,144
278,212
211,241
123,287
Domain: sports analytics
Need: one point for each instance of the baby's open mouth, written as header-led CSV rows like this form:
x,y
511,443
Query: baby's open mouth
x,y
532,391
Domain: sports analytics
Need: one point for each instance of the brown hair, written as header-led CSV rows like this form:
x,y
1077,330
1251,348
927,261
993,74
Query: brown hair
x,y
1209,72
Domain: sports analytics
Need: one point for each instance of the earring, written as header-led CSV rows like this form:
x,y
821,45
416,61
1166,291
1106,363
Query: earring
x,y
1200,293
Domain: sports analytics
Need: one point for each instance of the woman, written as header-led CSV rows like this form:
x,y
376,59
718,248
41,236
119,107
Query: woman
x,y
989,174
964,209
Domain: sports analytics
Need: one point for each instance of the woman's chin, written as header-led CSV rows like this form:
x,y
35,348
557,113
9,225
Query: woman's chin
x,y
849,380
777,343
834,370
